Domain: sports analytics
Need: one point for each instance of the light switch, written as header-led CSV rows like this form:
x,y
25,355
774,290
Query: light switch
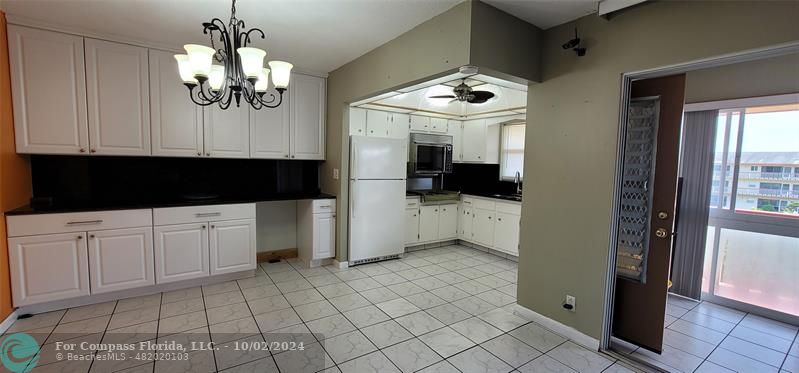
x,y
335,174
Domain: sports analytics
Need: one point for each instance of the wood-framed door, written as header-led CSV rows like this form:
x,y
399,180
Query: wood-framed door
x,y
647,209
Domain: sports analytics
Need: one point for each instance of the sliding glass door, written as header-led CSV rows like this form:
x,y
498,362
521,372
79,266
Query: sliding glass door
x,y
752,252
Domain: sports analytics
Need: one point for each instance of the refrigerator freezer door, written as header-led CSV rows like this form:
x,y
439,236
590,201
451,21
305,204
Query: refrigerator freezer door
x,y
377,218
377,158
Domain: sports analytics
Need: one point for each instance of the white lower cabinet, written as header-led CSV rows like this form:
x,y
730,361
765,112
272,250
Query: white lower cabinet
x,y
48,267
120,259
506,233
232,244
466,223
448,222
428,223
181,252
483,228
411,226
316,230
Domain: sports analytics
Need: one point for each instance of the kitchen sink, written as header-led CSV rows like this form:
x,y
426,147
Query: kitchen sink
x,y
512,197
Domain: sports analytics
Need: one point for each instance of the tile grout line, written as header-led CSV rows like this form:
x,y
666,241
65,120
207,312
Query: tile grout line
x,y
719,345
785,359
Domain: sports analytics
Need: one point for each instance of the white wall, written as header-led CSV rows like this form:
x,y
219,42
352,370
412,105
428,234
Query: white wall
x,y
276,225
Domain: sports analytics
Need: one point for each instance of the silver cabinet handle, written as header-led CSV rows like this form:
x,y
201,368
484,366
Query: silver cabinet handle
x,y
207,214
325,207
84,222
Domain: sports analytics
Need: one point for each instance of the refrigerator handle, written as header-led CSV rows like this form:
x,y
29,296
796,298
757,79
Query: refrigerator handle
x,y
354,173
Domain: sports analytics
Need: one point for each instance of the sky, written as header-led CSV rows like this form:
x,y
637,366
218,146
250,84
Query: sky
x,y
767,132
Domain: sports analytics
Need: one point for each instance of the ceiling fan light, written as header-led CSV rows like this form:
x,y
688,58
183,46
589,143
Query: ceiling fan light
x,y
184,68
262,84
281,73
200,58
252,60
216,77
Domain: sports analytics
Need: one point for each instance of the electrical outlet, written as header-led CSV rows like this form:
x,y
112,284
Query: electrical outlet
x,y
570,304
335,174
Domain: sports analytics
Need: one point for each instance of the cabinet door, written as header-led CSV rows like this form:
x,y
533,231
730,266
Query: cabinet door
x,y
232,246
506,233
48,267
400,125
181,252
227,132
448,222
270,131
377,123
493,133
483,228
118,97
428,223
324,236
438,125
420,123
357,121
176,123
48,84
121,259
474,140
467,224
307,117
411,226
455,129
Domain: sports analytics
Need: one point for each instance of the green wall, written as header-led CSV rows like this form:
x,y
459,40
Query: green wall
x,y
572,121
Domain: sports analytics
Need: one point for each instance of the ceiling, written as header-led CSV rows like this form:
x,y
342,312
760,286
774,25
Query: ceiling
x,y
546,13
316,35
510,98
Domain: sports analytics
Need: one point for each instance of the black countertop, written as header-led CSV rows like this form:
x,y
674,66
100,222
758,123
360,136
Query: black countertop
x,y
131,204
490,194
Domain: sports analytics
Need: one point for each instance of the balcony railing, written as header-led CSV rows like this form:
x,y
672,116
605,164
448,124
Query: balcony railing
x,y
760,175
761,192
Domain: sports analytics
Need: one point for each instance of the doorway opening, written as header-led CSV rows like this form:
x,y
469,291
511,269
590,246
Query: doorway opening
x,y
720,219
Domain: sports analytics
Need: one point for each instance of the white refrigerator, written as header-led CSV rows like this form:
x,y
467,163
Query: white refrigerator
x,y
377,197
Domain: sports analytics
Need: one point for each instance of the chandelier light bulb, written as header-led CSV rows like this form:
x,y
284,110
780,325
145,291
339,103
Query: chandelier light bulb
x,y
281,73
200,58
263,81
217,77
252,60
184,67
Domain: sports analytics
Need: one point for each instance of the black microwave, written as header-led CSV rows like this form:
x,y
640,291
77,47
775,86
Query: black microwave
x,y
429,154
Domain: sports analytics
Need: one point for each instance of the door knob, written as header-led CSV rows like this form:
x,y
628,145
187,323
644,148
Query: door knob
x,y
661,233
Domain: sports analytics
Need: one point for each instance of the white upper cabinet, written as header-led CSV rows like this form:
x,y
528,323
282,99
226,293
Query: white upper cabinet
x,y
493,129
438,125
118,98
473,143
420,123
400,126
377,123
455,129
357,121
48,80
176,123
307,116
270,131
227,132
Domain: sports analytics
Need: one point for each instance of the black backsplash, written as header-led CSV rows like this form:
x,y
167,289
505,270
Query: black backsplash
x,y
477,178
127,181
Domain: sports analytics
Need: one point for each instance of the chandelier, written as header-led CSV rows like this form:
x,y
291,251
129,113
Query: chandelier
x,y
231,71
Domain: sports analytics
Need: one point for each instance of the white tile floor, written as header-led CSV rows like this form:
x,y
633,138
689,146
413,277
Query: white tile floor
x,y
446,309
705,337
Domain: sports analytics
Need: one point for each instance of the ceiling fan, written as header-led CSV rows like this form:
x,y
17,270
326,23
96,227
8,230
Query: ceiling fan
x,y
463,92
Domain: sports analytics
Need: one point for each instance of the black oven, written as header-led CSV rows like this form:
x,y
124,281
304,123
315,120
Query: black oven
x,y
430,154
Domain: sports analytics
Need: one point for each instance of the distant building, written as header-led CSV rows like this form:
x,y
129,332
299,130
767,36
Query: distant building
x,y
767,181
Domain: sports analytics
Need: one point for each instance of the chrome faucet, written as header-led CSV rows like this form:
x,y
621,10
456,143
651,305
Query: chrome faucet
x,y
518,180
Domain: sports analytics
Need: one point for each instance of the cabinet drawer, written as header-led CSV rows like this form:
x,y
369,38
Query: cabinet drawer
x,y
198,214
324,206
412,203
484,204
509,208
28,225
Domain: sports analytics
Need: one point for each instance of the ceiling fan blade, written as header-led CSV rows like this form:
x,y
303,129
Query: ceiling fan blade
x,y
453,100
442,96
479,97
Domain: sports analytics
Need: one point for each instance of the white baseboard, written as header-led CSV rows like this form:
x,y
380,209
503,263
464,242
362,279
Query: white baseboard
x,y
564,330
8,321
340,265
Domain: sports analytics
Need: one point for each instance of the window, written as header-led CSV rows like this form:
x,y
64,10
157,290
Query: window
x,y
753,168
511,156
